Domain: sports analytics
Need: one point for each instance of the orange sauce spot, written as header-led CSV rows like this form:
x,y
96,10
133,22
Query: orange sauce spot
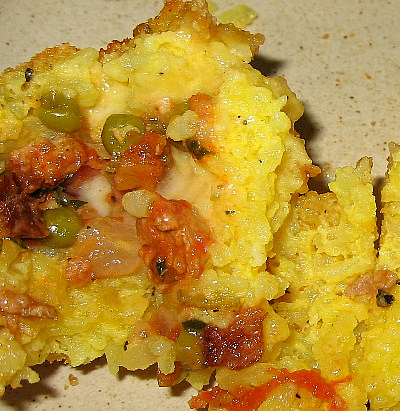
x,y
250,399
168,380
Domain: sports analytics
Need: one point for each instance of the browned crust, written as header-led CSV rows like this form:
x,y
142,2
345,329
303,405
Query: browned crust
x,y
46,59
194,16
115,46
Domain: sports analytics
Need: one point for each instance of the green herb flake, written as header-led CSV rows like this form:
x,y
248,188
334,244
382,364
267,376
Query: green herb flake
x,y
384,299
196,148
193,326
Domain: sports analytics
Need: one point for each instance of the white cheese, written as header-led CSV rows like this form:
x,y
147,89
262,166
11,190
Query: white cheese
x,y
97,192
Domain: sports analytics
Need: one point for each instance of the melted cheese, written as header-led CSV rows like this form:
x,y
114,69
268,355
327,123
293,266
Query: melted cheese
x,y
187,180
96,192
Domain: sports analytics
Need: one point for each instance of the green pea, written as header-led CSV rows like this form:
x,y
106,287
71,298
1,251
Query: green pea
x,y
59,112
120,131
64,225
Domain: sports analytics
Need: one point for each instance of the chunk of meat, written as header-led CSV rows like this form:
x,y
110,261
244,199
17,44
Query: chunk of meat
x,y
237,346
142,165
175,241
19,214
8,186
24,305
165,323
46,163
105,248
370,283
20,218
43,164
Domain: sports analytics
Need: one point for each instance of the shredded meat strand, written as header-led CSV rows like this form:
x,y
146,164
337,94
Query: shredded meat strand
x,y
370,283
20,218
237,346
175,241
24,305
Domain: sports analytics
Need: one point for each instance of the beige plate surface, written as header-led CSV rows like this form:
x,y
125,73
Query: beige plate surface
x,y
341,57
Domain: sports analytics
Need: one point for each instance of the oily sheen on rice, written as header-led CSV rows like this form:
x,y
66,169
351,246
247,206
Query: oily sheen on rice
x,y
200,246
244,181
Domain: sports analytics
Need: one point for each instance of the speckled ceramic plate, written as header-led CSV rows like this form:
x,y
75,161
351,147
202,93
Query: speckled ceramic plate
x,y
341,57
